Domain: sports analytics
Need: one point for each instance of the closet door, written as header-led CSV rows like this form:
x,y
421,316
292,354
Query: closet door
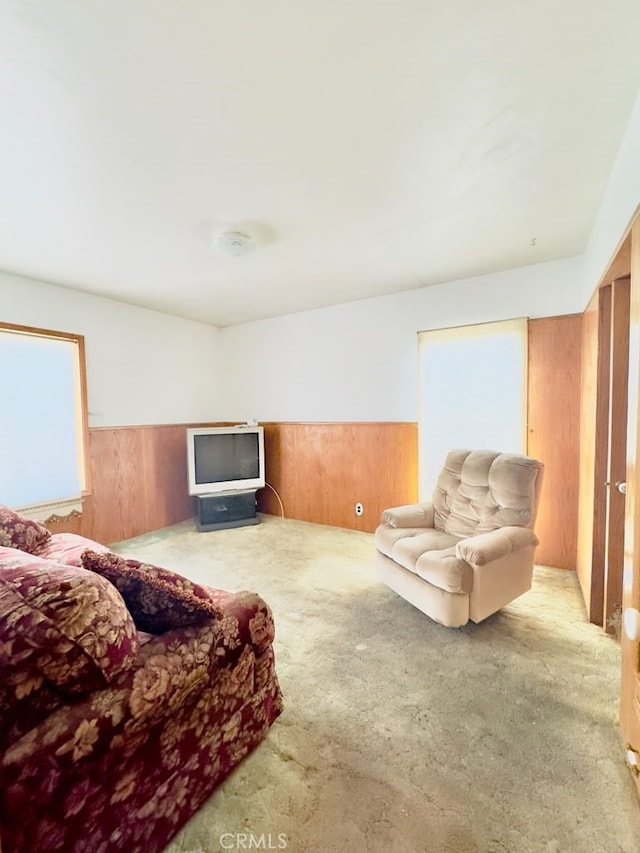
x,y
630,689
616,455
554,433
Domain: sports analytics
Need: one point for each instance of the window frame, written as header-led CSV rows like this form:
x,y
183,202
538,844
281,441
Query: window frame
x,y
431,450
83,414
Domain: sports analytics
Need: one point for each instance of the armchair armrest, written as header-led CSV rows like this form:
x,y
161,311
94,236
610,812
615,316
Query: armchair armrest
x,y
410,515
486,547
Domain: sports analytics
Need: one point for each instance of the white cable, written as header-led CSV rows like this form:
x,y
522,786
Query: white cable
x,y
278,496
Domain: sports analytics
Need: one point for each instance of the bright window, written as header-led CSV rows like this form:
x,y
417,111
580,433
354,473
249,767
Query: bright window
x,y
43,421
473,393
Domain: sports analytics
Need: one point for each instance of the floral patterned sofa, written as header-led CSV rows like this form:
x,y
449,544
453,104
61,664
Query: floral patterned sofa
x,y
127,693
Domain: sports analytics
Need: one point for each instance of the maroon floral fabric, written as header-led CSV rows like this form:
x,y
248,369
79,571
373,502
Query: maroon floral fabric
x,y
65,624
26,699
158,599
68,548
16,531
124,767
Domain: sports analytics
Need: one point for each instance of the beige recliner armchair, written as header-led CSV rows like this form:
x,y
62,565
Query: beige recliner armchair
x,y
469,551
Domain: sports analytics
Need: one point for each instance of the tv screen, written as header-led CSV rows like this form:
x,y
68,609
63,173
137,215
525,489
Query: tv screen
x,y
225,459
220,457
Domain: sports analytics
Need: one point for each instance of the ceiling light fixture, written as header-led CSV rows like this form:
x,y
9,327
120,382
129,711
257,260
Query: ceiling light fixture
x,y
234,241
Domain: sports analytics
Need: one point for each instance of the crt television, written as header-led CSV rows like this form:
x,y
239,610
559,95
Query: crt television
x,y
225,459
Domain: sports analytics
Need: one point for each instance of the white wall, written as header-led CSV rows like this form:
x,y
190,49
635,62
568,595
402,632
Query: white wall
x,y
359,361
619,204
143,367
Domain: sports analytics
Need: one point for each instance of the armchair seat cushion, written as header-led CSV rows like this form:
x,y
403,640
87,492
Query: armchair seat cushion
x,y
386,537
407,550
430,554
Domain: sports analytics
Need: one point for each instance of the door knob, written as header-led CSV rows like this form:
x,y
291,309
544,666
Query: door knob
x,y
621,487
631,622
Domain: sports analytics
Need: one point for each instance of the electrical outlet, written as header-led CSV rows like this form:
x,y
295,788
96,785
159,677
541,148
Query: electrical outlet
x,y
359,509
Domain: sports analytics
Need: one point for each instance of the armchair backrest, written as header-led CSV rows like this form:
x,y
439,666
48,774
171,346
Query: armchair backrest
x,y
482,490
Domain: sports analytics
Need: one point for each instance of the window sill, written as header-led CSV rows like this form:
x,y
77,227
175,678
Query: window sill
x,y
52,510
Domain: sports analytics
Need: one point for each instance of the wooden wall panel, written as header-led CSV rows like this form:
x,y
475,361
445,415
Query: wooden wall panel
x,y
593,413
118,476
321,470
165,466
139,483
553,433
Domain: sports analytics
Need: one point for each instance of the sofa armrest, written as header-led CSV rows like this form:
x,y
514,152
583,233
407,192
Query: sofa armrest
x,y
68,548
487,547
177,663
246,617
410,515
170,670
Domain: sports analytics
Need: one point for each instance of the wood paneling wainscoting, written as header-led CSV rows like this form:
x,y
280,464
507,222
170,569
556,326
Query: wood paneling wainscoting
x,y
139,482
321,470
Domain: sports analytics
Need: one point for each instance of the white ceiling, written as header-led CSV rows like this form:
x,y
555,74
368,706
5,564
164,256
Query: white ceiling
x,y
371,147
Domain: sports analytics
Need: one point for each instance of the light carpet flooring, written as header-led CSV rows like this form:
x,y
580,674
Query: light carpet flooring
x,y
399,735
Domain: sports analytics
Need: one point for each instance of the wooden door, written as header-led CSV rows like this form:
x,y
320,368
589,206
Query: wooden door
x,y
553,418
630,681
618,380
604,430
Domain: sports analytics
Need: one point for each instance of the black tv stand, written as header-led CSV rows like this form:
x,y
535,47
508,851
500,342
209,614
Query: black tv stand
x,y
226,509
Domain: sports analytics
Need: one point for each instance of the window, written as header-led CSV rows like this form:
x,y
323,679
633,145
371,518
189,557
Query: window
x,y
473,393
43,421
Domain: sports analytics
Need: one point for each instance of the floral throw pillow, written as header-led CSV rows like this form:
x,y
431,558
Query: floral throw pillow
x,y
63,622
16,531
158,599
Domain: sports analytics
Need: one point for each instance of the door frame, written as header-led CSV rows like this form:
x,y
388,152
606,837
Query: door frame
x,y
630,649
617,454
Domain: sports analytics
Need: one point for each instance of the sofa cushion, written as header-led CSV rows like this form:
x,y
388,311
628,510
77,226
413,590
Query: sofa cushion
x,y
68,548
66,623
16,531
157,598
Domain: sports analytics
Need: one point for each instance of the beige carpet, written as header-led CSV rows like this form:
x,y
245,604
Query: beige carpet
x,y
399,735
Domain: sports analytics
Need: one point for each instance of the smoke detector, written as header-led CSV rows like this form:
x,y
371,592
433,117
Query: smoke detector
x,y
234,242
